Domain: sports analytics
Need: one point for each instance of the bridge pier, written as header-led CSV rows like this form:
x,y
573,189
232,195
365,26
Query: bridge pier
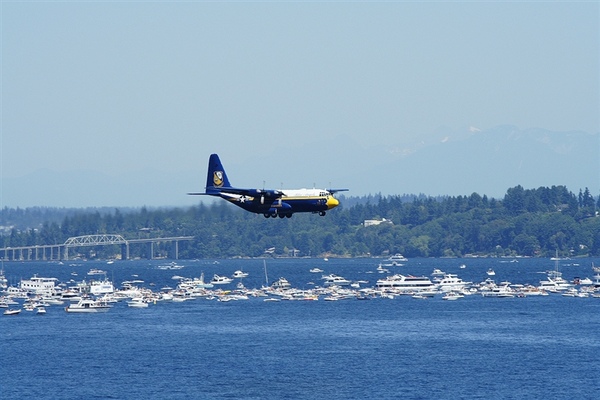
x,y
125,251
150,250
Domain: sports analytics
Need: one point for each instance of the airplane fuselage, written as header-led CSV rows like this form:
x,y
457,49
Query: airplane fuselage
x,y
291,201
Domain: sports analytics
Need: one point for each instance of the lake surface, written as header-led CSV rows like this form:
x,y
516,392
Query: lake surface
x,y
475,347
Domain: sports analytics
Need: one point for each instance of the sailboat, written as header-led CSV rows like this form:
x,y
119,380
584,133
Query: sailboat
x,y
555,281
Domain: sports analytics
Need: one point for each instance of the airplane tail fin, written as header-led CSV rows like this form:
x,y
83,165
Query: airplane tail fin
x,y
216,177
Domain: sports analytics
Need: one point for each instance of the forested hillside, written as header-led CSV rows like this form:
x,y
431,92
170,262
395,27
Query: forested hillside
x,y
525,222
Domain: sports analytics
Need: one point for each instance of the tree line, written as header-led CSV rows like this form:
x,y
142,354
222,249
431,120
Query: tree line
x,y
525,222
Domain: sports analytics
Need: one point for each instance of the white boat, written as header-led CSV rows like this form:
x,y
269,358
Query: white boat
x,y
196,283
41,311
554,284
96,271
55,301
452,296
554,281
281,283
39,285
335,280
491,272
98,288
12,311
137,302
582,281
240,274
70,295
451,282
398,257
316,270
86,305
596,282
502,290
406,283
395,261
220,280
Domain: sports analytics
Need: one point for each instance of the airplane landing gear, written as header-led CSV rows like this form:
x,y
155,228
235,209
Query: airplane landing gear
x,y
275,215
322,213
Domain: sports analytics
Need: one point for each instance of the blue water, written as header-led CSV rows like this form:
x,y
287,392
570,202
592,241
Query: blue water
x,y
476,348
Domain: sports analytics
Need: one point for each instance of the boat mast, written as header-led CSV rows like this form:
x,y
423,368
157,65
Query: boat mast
x,y
266,277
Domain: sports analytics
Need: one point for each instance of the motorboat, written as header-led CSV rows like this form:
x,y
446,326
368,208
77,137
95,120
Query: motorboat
x,y
395,261
104,286
491,272
220,280
281,283
196,283
96,271
406,283
501,290
452,296
451,282
554,281
87,305
172,265
582,281
335,280
70,295
316,270
53,300
12,311
137,302
39,285
398,257
41,311
240,274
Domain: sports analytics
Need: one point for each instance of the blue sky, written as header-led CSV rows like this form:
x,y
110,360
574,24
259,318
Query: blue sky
x,y
122,88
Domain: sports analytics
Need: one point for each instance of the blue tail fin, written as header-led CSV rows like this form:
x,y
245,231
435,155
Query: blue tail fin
x,y
216,177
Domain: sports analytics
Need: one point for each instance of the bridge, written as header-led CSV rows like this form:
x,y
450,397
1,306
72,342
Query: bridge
x,y
61,251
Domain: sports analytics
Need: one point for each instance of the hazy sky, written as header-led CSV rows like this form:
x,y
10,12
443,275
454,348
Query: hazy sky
x,y
125,86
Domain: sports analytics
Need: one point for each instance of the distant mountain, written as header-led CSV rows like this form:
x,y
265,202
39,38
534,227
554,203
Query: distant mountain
x,y
447,162
491,161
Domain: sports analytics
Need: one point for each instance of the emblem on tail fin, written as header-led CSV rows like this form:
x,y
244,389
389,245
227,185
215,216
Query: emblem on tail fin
x,y
218,178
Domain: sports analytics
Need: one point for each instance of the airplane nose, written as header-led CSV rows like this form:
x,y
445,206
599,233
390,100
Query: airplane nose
x,y
332,202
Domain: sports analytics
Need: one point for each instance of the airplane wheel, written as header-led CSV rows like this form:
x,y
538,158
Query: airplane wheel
x,y
322,213
274,215
281,215
267,215
288,215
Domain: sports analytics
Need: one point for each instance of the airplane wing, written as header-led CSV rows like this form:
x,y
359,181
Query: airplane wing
x,y
333,191
270,194
265,193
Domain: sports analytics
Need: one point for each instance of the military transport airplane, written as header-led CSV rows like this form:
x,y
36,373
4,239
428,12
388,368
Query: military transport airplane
x,y
270,203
